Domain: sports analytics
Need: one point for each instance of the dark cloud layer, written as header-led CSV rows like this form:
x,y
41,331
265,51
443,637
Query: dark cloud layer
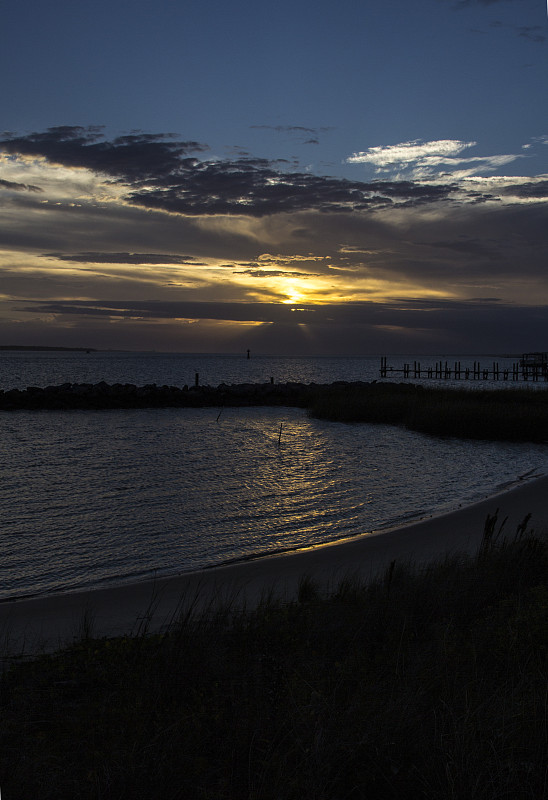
x,y
284,128
405,313
136,156
273,273
162,176
124,258
246,187
426,240
422,325
538,189
12,186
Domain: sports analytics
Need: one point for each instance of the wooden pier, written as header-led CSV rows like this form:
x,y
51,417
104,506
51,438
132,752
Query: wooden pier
x,y
530,367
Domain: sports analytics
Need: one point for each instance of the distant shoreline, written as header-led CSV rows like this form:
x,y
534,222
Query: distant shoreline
x,y
30,347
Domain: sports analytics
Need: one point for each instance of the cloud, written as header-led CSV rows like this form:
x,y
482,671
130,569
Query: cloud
x,y
351,328
160,175
421,160
284,128
347,240
427,313
406,152
135,157
298,129
154,171
273,273
235,312
124,258
534,189
249,189
13,186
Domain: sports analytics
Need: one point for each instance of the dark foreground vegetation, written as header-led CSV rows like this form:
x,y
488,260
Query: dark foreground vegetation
x,y
425,684
505,414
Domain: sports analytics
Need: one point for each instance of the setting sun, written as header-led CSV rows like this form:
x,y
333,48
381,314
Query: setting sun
x,y
294,293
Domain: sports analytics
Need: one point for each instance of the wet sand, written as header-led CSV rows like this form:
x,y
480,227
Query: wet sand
x,y
48,623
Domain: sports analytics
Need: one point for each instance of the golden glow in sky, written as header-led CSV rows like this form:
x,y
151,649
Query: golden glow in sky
x,y
81,255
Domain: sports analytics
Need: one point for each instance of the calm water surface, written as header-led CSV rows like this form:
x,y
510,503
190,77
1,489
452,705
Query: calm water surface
x,y
95,498
91,498
21,369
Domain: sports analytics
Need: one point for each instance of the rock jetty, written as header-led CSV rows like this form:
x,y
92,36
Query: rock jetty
x,y
73,396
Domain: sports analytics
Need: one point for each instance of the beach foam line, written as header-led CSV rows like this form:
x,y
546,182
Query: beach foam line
x,y
47,623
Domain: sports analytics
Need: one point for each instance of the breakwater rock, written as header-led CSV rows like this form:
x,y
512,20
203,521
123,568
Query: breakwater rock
x,y
72,396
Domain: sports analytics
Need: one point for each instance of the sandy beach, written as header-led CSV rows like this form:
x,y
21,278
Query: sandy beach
x,y
47,623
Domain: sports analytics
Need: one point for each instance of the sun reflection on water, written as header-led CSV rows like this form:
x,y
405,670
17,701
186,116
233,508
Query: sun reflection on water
x,y
103,497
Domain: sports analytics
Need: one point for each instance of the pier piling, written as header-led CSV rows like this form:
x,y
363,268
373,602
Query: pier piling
x,y
527,369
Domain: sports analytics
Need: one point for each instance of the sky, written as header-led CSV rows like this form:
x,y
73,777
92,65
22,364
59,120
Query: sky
x,y
298,178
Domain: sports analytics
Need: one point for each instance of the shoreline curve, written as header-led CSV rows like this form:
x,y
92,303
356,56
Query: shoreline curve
x,y
29,626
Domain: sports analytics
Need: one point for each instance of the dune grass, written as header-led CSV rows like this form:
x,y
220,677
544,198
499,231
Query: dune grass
x,y
499,414
427,683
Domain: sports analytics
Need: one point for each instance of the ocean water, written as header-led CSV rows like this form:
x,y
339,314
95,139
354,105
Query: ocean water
x,y
95,498
19,369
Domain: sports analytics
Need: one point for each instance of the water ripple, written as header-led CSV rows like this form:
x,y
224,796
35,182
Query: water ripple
x,y
91,498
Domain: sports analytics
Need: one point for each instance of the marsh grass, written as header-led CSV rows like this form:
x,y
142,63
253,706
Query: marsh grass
x,y
500,414
426,683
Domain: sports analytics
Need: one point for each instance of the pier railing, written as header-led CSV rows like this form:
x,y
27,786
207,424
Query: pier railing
x,y
443,370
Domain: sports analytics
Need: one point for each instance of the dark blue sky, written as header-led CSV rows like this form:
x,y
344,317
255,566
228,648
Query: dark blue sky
x,y
371,73
354,160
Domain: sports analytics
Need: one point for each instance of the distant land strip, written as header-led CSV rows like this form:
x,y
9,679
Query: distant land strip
x,y
40,347
511,414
